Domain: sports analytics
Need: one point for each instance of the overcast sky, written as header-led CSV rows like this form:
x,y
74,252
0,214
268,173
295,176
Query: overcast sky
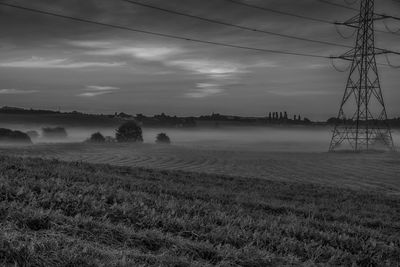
x,y
48,62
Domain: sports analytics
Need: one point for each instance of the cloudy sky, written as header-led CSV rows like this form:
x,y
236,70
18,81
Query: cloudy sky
x,y
48,62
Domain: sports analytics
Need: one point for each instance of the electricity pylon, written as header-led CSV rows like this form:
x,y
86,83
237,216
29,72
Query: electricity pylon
x,y
362,123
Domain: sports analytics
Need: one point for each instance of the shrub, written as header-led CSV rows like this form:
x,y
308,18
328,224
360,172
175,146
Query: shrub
x,y
97,138
7,135
162,138
33,134
57,132
129,132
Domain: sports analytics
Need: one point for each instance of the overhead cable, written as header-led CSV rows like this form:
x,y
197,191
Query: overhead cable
x,y
235,25
165,35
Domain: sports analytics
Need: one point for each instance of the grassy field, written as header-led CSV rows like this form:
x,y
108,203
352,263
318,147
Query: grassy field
x,y
372,171
77,214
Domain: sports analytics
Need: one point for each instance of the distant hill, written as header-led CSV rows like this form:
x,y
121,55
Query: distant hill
x,y
15,115
12,115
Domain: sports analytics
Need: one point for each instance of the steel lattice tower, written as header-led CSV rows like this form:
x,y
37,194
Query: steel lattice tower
x,y
362,120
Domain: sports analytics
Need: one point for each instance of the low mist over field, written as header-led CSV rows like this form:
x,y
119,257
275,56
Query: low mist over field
x,y
248,138
280,138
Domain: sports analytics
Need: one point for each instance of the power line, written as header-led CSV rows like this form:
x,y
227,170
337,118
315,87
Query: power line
x,y
234,25
161,34
390,17
351,3
338,5
280,12
302,16
170,36
384,16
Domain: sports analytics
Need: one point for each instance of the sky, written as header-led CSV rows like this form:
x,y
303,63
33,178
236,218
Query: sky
x,y
53,63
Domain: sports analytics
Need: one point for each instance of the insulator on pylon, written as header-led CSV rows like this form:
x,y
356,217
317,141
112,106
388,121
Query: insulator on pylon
x,y
390,63
337,68
388,28
342,35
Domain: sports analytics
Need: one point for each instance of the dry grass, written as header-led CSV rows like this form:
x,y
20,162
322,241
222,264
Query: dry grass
x,y
76,214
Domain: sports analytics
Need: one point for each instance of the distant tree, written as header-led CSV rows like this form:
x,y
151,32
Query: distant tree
x,y
140,117
33,134
333,120
7,135
97,138
129,132
163,138
124,115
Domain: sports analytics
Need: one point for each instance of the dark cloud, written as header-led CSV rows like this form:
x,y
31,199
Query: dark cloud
x,y
57,59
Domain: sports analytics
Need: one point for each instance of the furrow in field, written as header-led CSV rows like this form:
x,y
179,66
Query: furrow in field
x,y
379,171
166,163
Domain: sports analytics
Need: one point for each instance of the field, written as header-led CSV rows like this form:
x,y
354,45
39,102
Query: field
x,y
378,172
77,214
210,200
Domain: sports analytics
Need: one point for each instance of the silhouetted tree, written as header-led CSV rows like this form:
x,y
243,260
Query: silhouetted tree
x,y
129,132
7,135
162,138
140,117
97,138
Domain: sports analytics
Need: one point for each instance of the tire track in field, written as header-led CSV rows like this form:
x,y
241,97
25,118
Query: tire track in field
x,y
153,159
